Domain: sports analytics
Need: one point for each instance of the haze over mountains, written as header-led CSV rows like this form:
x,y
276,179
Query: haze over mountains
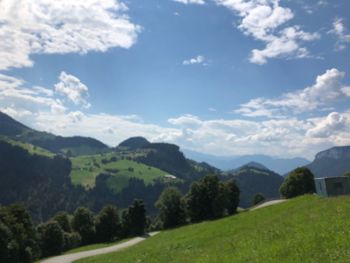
x,y
278,165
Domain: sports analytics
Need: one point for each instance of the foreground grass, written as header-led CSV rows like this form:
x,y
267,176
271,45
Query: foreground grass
x,y
93,247
305,229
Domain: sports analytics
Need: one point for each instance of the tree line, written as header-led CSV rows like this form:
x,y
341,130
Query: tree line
x,y
21,241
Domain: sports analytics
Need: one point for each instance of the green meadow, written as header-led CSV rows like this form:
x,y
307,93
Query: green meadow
x,y
304,229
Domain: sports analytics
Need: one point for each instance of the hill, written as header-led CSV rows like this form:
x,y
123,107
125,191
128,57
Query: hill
x,y
252,180
134,143
39,181
331,162
75,145
120,167
278,165
294,231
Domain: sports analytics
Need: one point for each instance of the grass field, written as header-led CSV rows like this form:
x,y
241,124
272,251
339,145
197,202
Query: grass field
x,y
304,229
85,169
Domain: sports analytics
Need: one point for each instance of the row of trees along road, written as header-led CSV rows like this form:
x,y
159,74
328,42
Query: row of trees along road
x,y
22,242
207,199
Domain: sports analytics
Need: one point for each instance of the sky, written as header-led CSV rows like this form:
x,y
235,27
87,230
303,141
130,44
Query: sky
x,y
222,77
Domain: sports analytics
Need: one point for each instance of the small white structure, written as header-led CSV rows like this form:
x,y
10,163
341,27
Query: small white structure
x,y
170,176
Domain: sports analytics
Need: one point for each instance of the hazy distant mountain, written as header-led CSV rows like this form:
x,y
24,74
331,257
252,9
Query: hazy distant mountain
x,y
331,162
75,145
253,180
253,165
278,165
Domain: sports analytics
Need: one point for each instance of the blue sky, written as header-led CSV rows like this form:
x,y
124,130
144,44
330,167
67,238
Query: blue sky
x,y
226,77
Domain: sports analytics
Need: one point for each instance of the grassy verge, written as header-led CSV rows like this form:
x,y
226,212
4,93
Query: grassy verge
x,y
305,229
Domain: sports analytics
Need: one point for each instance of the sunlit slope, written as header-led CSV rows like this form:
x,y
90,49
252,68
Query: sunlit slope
x,y
305,229
85,169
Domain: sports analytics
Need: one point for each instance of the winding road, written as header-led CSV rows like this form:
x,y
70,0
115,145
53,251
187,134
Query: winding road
x,y
72,257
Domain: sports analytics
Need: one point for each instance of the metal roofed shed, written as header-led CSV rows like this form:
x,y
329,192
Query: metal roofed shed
x,y
332,186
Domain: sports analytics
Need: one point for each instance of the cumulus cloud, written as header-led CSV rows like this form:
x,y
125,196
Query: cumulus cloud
x,y
261,19
72,88
59,27
327,89
14,94
196,60
186,2
328,126
339,31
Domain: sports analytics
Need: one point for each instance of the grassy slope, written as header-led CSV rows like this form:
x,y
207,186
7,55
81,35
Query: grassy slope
x,y
305,229
86,168
28,147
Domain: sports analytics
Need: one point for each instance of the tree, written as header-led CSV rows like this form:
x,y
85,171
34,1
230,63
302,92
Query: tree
x,y
18,233
83,223
298,182
108,226
207,199
257,199
51,238
5,238
137,218
171,208
62,218
233,193
347,174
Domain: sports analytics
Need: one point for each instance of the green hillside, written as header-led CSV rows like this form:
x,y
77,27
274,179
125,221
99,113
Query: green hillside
x,y
304,229
85,169
31,149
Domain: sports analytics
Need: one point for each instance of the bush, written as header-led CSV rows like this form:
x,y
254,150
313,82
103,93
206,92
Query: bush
x,y
71,240
258,198
298,182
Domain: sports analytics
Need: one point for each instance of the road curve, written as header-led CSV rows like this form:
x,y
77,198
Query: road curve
x,y
72,257
268,203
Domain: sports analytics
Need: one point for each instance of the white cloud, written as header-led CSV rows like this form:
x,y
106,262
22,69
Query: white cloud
x,y
185,120
327,89
261,19
49,27
71,87
328,126
339,31
186,2
14,94
196,60
283,137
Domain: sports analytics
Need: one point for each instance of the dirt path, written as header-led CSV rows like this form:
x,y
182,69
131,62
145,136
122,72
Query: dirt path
x,y
72,257
268,203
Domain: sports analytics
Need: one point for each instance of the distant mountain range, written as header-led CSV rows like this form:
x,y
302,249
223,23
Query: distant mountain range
x,y
278,165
